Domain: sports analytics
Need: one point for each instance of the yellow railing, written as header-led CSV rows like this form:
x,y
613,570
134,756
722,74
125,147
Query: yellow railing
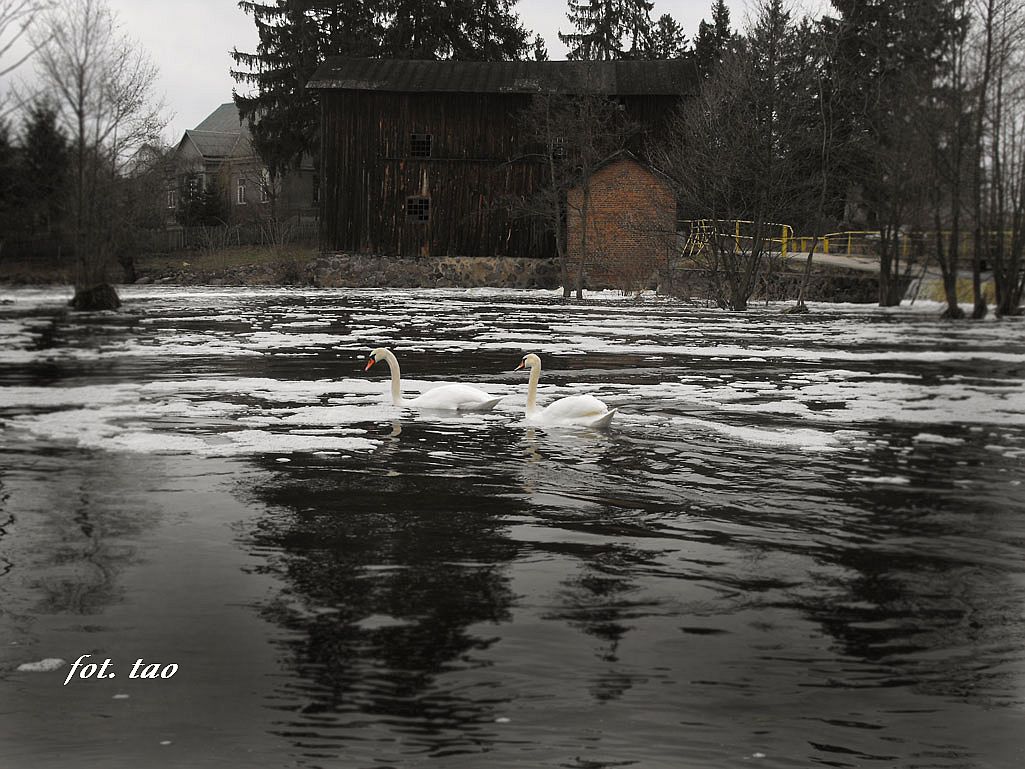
x,y
845,243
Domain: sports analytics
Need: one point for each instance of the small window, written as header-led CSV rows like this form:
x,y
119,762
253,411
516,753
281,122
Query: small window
x,y
420,145
241,193
172,198
559,147
418,209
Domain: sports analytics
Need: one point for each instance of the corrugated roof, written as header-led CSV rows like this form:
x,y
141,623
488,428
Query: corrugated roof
x,y
613,78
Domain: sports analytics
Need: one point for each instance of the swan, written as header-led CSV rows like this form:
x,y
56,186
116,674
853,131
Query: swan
x,y
581,410
457,397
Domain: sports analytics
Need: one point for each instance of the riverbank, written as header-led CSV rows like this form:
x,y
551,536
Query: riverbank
x,y
306,266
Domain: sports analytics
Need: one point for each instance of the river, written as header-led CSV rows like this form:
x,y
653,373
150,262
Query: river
x,y
800,543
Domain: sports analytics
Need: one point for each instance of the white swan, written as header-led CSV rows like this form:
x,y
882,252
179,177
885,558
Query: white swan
x,y
581,410
457,397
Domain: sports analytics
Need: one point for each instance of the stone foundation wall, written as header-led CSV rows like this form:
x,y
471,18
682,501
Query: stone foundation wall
x,y
362,271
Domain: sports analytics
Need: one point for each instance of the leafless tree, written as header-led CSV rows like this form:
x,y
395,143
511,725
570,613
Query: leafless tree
x,y
104,85
999,177
575,134
739,154
16,20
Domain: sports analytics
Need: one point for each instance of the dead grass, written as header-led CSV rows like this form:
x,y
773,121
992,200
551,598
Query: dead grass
x,y
224,258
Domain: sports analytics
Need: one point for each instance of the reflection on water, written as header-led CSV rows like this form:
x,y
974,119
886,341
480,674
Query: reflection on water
x,y
801,545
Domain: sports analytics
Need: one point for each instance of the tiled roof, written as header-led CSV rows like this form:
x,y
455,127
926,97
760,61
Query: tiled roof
x,y
618,78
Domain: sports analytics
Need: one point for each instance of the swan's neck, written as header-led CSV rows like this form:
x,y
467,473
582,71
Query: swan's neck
x,y
396,376
535,377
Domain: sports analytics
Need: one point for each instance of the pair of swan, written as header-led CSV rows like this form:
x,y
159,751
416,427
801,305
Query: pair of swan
x,y
581,410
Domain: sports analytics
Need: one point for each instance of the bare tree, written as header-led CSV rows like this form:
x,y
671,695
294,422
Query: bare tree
x,y
16,20
999,183
576,133
104,87
740,155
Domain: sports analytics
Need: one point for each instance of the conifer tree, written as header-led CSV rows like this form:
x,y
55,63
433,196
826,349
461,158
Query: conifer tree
x,y
714,39
295,36
602,26
666,40
45,164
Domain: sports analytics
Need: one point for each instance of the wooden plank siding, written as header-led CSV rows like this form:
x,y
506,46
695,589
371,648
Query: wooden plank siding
x,y
477,167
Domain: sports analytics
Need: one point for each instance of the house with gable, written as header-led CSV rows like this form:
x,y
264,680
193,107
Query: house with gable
x,y
217,158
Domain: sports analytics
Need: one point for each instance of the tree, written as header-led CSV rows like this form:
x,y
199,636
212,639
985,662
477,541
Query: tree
x,y
999,183
665,40
602,25
713,40
45,167
539,51
17,18
104,85
574,133
890,54
740,156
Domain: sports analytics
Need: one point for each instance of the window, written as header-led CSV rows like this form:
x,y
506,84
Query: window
x,y
558,147
241,196
418,209
420,145
172,198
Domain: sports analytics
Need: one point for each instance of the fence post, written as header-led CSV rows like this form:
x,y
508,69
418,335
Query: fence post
x,y
737,236
848,244
783,246
825,245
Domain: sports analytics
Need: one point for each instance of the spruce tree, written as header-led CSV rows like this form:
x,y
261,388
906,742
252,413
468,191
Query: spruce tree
x,y
713,39
295,36
666,40
602,25
45,164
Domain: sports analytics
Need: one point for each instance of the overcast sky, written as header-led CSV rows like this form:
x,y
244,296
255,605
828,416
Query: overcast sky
x,y
189,40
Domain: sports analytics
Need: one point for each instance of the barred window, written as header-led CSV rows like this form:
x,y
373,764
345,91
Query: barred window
x,y
418,209
558,147
420,145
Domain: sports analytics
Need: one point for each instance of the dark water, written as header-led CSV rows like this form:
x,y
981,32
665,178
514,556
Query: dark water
x,y
801,544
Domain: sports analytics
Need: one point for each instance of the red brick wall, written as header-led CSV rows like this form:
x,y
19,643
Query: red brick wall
x,y
632,225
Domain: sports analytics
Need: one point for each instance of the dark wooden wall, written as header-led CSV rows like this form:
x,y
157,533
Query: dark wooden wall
x,y
479,165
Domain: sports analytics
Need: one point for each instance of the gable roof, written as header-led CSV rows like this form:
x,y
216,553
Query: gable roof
x,y
627,155
673,77
220,135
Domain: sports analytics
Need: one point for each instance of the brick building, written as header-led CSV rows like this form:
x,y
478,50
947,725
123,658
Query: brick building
x,y
630,223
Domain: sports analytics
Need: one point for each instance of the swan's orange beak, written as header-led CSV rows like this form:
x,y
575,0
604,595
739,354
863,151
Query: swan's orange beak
x,y
519,367
370,362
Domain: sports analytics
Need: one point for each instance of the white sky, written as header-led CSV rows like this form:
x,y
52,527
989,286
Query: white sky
x,y
189,41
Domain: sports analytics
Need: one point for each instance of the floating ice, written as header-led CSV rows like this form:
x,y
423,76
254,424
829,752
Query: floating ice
x,y
47,665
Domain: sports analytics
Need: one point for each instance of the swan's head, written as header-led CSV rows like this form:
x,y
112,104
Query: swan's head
x,y
376,356
529,361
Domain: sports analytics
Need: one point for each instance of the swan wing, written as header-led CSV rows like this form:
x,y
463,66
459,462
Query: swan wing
x,y
458,397
581,409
